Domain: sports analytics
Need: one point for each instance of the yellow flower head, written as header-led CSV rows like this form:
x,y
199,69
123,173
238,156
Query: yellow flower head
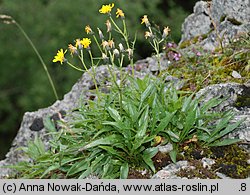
x,y
88,30
120,13
72,49
106,9
145,20
60,56
85,42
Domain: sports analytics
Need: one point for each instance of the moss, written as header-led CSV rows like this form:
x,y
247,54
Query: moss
x,y
229,160
199,71
161,160
135,174
198,172
194,40
243,100
232,162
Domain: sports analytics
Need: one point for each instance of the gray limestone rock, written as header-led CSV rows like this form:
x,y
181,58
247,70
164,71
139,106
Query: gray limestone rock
x,y
223,18
32,123
218,20
233,93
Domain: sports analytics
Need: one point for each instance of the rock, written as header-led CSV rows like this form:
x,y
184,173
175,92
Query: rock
x,y
169,171
215,20
32,123
233,93
207,162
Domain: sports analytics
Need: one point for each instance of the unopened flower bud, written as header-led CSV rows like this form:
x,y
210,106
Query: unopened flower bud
x,y
166,31
109,27
111,43
100,34
78,44
88,30
121,48
148,34
130,53
105,45
116,52
72,49
105,58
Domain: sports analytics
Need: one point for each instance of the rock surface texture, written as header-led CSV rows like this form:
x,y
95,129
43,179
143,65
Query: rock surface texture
x,y
217,18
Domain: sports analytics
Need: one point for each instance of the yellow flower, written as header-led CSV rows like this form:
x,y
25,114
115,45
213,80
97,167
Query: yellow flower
x,y
88,30
106,8
120,13
145,20
72,49
85,42
78,43
60,56
166,31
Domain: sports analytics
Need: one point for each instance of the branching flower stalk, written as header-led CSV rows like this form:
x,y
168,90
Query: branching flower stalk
x,y
10,20
154,41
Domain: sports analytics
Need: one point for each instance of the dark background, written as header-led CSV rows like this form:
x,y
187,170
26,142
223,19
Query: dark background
x,y
53,24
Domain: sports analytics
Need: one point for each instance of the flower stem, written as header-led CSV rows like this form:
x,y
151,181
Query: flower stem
x,y
76,68
40,58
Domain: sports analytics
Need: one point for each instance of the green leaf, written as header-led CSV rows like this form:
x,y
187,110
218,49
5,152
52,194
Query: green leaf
x,y
186,103
124,171
114,114
173,155
78,167
143,123
39,144
131,110
146,93
112,151
173,136
211,103
85,173
147,156
150,152
224,132
189,123
49,125
98,162
225,142
109,140
51,168
222,124
164,122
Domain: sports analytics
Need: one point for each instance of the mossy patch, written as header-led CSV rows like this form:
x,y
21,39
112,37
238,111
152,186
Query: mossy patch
x,y
200,68
243,100
229,160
